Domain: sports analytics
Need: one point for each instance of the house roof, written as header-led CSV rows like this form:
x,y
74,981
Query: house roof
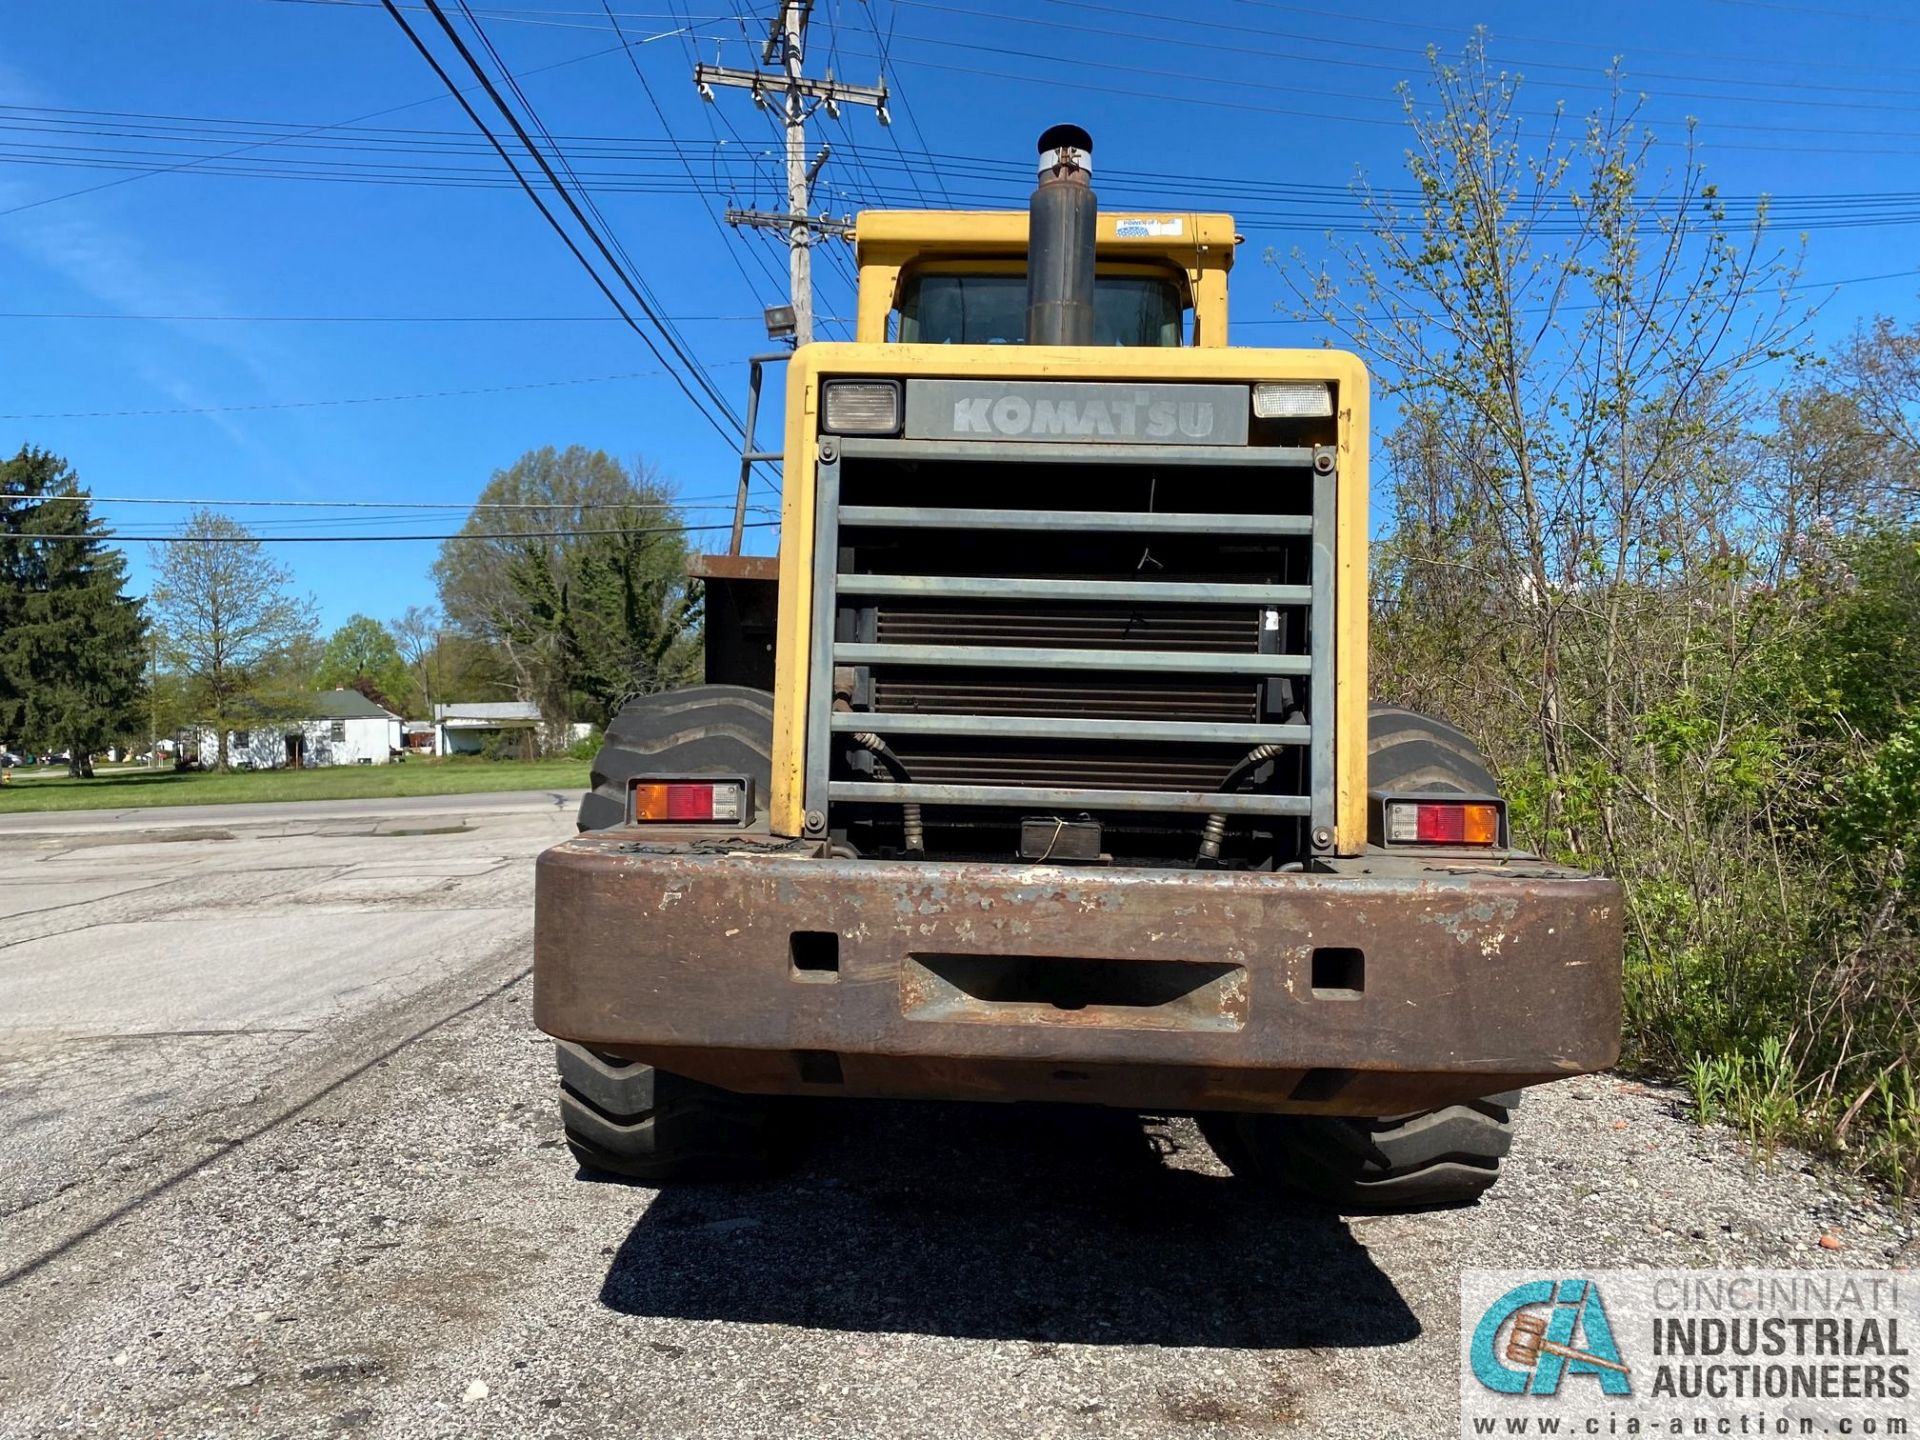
x,y
325,705
348,705
488,710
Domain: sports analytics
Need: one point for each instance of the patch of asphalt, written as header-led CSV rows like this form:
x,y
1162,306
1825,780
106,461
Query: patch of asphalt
x,y
412,1254
186,834
44,824
133,1013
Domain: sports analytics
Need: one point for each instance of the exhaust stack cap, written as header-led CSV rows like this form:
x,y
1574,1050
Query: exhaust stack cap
x,y
1066,151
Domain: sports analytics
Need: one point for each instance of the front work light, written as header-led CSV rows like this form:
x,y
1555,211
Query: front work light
x,y
1442,822
1292,400
720,802
860,407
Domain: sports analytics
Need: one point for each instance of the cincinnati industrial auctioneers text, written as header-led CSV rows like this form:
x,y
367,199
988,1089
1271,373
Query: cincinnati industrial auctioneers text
x,y
1753,1337
1624,1352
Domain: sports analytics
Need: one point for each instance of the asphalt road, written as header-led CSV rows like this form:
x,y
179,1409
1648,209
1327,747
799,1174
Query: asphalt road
x,y
278,1158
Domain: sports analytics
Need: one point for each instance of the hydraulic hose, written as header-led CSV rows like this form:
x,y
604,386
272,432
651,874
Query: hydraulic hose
x,y
912,831
1215,832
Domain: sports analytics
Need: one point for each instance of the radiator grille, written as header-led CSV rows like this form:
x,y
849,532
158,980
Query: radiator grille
x,y
1111,627
1080,643
1023,693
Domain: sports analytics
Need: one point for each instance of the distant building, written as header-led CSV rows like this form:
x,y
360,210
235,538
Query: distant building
x,y
467,727
339,727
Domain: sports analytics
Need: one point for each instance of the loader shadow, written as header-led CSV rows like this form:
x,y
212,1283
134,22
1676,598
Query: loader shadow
x,y
1037,1223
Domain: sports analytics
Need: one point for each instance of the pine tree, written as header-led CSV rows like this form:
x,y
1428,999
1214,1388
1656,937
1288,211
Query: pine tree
x,y
72,644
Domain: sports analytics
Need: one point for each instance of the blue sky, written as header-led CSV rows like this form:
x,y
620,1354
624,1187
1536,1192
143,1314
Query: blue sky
x,y
1796,100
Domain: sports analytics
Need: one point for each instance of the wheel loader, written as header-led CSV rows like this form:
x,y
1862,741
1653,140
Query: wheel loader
x,y
1040,765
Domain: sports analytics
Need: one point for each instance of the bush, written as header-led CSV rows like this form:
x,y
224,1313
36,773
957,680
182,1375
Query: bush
x,y
510,745
1759,804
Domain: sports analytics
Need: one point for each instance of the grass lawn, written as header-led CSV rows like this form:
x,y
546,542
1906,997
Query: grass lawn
x,y
127,790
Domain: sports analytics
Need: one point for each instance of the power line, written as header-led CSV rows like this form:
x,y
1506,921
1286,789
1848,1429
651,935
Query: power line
x,y
540,204
366,319
634,287
312,130
690,502
1812,212
1753,292
906,106
668,324
1879,18
635,148
555,17
1193,98
1270,87
384,539
1138,186
728,241
350,400
1798,286
1797,61
1417,53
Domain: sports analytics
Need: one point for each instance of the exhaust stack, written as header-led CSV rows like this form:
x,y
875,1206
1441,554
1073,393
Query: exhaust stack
x,y
1061,220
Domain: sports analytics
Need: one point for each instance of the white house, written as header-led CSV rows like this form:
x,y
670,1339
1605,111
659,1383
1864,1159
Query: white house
x,y
341,727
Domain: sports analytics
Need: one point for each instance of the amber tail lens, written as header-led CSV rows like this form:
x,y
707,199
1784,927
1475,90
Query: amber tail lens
x,y
1443,822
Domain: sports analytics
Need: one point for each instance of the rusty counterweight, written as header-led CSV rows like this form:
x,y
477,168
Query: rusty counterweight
x,y
1387,985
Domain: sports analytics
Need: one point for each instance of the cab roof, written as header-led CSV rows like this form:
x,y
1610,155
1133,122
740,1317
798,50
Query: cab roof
x,y
892,237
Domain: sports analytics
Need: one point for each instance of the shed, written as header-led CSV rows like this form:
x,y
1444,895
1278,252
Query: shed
x,y
466,726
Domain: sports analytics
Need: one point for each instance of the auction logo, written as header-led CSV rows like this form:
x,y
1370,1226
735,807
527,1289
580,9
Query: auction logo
x,y
1541,1332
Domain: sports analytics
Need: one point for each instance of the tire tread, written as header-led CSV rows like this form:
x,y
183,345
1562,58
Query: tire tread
x,y
1430,1159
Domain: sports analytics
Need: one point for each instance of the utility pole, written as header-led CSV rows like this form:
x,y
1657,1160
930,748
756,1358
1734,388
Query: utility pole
x,y
783,78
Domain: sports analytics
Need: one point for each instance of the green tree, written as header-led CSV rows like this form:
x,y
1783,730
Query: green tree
x,y
1670,583
362,655
580,588
419,633
226,613
72,645
1585,339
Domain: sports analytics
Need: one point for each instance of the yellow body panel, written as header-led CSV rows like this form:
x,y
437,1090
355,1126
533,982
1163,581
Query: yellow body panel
x,y
1039,362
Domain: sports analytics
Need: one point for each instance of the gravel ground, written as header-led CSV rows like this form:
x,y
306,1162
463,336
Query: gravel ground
x,y
387,1237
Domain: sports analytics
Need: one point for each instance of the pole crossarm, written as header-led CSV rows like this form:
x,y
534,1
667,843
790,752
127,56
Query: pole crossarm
x,y
775,220
768,84
784,87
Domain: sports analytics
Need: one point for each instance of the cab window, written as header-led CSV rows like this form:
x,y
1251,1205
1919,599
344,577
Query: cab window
x,y
991,309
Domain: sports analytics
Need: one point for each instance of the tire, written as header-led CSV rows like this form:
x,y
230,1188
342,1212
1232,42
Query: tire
x,y
1424,1161
624,1119
1410,753
703,730
637,1123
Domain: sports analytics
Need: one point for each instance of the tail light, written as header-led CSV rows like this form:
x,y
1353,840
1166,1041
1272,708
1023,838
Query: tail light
x,y
1443,822
716,802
